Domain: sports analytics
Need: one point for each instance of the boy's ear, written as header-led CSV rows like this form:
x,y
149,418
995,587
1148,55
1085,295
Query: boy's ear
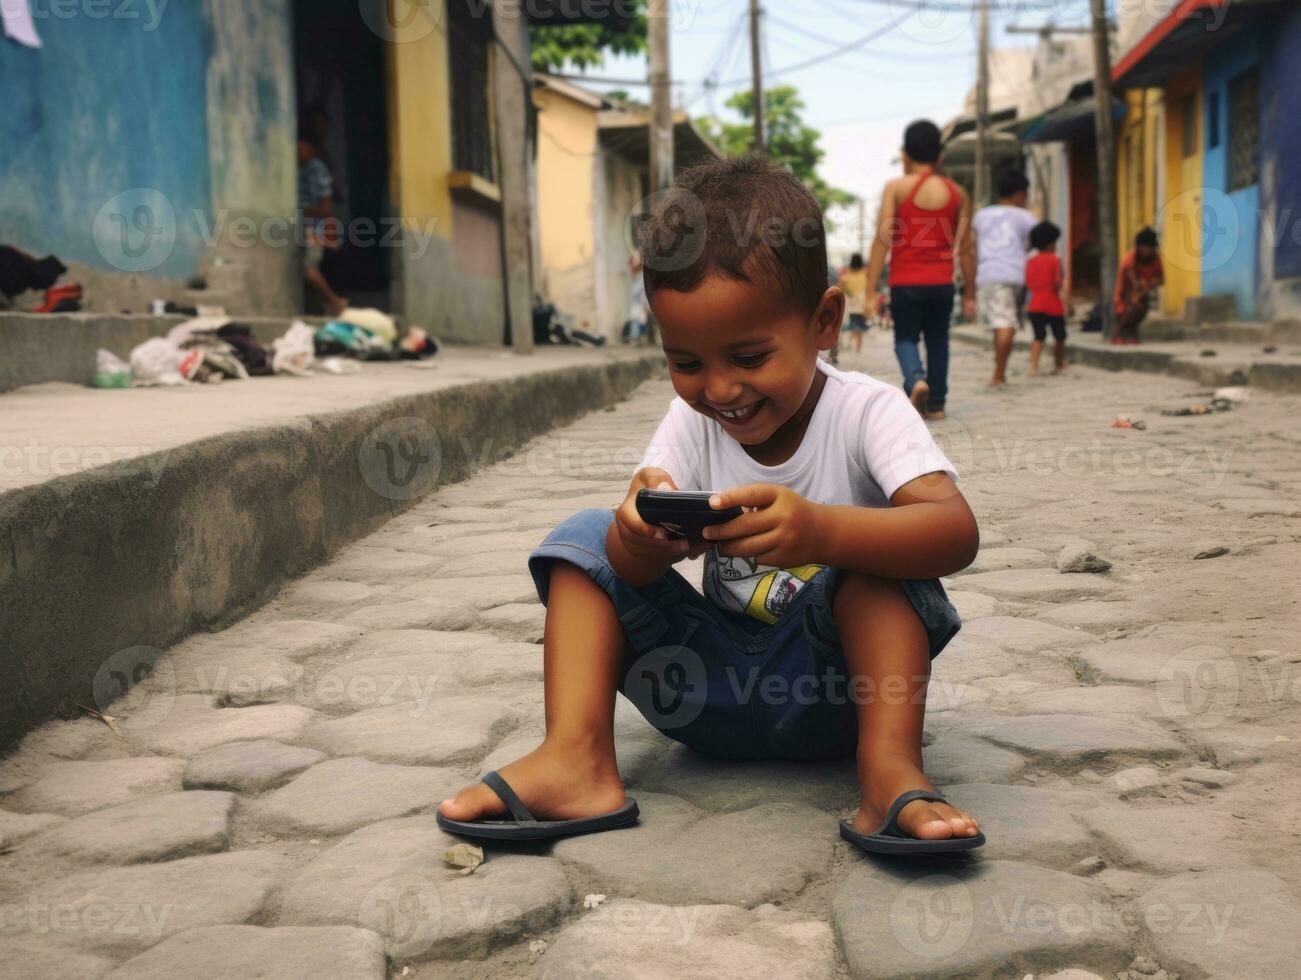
x,y
828,317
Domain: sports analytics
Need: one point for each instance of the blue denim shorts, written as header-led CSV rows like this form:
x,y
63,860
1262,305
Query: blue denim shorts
x,y
719,681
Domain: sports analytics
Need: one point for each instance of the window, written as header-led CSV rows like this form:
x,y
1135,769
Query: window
x,y
1213,121
1188,118
470,42
1244,130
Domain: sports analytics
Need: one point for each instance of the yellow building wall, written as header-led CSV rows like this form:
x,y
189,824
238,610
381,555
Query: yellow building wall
x,y
568,154
1181,236
1137,171
420,130
567,148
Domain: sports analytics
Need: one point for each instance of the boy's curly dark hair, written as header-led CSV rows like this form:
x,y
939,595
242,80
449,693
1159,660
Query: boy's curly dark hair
x,y
743,218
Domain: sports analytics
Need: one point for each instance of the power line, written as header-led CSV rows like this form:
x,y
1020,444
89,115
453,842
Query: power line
x,y
834,53
949,6
895,55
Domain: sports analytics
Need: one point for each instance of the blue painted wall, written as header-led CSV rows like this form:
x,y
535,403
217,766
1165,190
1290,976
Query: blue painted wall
x,y
1229,218
1280,88
107,105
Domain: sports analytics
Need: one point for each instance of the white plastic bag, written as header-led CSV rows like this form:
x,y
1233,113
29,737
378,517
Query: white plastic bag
x,y
294,352
159,362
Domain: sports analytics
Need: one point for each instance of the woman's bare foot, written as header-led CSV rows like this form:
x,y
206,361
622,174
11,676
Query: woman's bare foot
x,y
554,782
893,775
920,397
997,382
935,416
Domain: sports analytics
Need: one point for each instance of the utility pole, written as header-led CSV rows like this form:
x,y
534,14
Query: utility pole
x,y
661,129
756,77
982,108
1106,139
862,228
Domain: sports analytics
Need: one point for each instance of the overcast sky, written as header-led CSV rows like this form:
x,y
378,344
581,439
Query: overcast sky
x,y
922,64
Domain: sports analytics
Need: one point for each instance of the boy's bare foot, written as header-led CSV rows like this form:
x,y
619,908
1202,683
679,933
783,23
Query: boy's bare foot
x,y
891,776
1034,372
935,416
997,382
920,397
555,783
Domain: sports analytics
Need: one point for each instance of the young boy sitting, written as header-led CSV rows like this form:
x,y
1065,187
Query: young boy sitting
x,y
1044,281
822,606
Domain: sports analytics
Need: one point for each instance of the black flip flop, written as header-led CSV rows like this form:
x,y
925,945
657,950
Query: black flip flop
x,y
525,826
890,838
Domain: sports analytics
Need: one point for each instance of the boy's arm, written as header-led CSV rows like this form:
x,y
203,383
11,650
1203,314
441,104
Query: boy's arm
x,y
929,532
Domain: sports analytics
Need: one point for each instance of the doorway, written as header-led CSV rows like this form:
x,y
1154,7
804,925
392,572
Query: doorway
x,y
341,88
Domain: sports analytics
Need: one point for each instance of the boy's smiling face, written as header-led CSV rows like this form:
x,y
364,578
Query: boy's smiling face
x,y
739,354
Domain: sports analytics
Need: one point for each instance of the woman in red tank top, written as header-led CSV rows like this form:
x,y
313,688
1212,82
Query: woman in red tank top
x,y
922,244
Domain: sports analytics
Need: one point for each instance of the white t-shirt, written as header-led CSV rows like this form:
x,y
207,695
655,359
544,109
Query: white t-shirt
x,y
863,442
1002,240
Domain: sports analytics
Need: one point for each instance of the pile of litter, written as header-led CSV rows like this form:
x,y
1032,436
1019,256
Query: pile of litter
x,y
213,348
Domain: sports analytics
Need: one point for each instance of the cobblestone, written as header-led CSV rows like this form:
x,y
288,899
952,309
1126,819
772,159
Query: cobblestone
x,y
1142,720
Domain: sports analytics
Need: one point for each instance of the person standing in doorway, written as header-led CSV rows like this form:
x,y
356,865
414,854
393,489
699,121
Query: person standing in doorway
x,y
1002,233
923,222
316,212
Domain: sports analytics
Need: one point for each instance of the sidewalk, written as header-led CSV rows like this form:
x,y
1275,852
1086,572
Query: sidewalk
x,y
1236,361
135,517
56,429
1127,739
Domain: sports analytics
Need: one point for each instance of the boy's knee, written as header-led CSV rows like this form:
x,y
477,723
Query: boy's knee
x,y
858,588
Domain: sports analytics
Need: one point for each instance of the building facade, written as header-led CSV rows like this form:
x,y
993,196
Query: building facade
x,y
158,159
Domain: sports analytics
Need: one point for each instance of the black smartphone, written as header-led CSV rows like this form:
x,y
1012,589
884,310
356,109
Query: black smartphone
x,y
683,513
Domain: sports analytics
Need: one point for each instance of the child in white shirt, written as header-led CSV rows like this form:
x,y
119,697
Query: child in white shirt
x,y
822,606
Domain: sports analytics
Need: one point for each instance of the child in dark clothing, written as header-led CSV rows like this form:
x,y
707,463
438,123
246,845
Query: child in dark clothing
x,y
1047,306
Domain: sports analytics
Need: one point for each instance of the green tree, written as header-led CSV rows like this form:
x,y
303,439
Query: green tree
x,y
790,141
584,46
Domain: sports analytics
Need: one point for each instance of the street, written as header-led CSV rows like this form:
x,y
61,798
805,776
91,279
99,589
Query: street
x,y
1126,737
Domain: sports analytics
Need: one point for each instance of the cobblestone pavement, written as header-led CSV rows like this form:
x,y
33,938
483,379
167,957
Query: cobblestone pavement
x,y
1128,739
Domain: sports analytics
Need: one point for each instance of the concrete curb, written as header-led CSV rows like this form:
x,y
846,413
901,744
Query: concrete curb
x,y
1209,372
146,551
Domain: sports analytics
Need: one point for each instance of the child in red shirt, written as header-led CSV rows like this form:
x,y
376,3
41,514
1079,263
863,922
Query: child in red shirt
x,y
1047,308
1140,275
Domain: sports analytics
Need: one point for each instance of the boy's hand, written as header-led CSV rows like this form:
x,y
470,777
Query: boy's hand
x,y
783,529
639,538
